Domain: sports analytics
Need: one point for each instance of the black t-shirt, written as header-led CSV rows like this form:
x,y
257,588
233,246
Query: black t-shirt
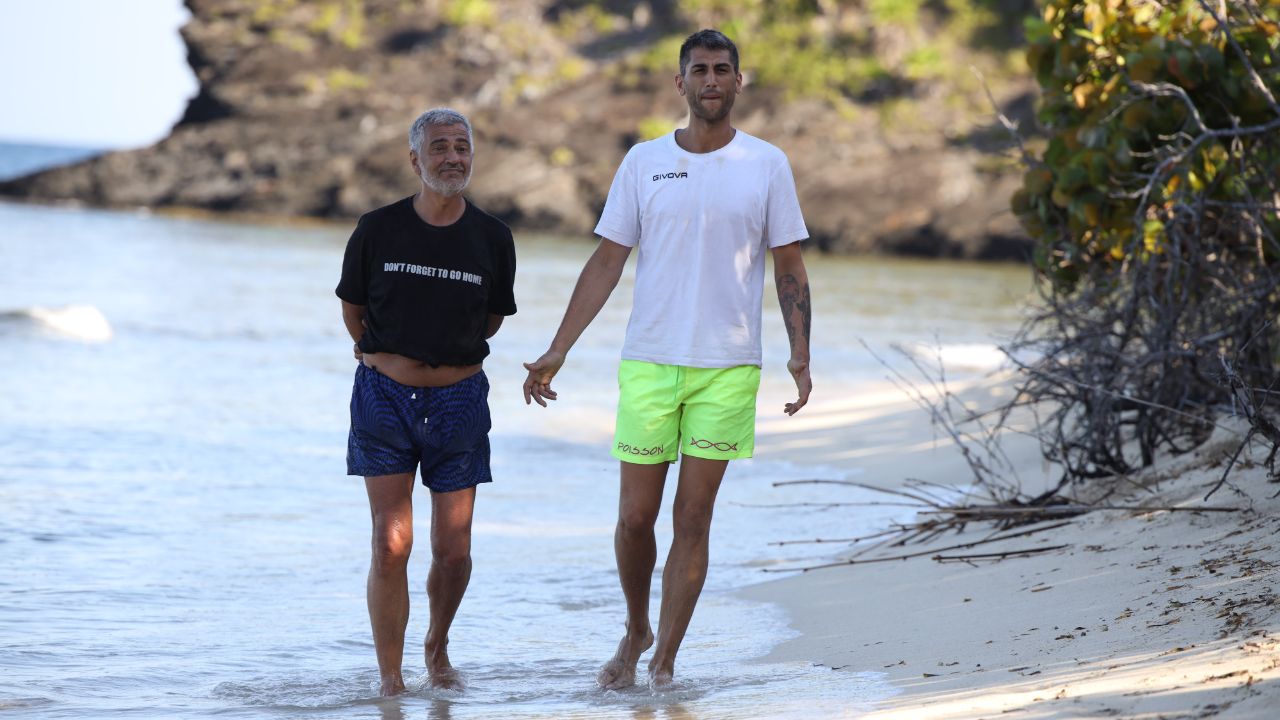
x,y
428,291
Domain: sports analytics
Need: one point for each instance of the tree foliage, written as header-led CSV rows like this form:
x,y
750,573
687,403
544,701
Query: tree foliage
x,y
849,52
1154,206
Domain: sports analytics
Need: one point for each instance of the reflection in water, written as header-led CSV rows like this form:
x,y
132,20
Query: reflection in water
x,y
440,710
669,712
391,709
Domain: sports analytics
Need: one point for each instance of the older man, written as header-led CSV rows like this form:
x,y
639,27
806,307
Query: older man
x,y
425,282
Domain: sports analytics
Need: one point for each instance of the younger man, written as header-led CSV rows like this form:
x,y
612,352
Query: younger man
x,y
702,205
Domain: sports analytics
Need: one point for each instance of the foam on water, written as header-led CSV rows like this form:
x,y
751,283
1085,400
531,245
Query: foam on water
x,y
76,322
715,683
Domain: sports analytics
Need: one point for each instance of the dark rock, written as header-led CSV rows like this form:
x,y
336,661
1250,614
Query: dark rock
x,y
306,113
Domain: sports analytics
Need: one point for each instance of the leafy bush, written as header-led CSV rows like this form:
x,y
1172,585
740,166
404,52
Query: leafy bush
x,y
1154,207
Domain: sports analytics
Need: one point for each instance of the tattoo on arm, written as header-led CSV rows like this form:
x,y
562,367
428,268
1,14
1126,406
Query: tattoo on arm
x,y
795,300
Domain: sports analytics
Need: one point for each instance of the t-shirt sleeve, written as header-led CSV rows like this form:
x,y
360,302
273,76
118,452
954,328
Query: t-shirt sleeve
x,y
783,222
620,220
502,296
353,285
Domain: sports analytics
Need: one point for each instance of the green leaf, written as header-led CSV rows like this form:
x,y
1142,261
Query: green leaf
x,y
1095,38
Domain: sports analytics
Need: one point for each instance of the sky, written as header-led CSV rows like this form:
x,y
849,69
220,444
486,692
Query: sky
x,y
92,73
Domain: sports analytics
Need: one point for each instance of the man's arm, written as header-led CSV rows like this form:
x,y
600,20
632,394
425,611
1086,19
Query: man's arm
x,y
598,279
353,319
797,314
495,322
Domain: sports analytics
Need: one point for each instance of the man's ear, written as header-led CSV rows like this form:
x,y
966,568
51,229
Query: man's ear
x,y
680,84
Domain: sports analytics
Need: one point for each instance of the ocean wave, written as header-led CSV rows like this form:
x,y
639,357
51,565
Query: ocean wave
x,y
76,322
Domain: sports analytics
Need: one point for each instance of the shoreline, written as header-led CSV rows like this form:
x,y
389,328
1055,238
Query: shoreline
x,y
1140,614
189,212
344,225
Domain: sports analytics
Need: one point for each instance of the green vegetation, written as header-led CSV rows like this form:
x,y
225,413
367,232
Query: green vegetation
x,y
831,49
343,79
1155,207
562,157
587,19
334,81
1141,101
297,25
342,22
270,11
655,127
470,13
894,12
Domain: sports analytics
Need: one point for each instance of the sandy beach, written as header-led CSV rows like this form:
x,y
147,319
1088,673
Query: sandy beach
x,y
1162,614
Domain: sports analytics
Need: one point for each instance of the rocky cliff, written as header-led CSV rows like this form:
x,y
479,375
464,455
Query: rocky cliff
x,y
304,106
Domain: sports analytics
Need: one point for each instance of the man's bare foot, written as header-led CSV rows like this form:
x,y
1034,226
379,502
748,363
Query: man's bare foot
x,y
445,679
660,680
440,672
391,685
620,671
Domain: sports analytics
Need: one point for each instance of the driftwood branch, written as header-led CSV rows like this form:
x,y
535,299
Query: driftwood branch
x,y
906,556
997,555
1052,510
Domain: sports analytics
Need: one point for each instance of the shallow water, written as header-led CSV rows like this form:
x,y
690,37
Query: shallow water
x,y
178,537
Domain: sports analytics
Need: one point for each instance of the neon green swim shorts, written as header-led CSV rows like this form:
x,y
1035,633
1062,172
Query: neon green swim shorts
x,y
664,410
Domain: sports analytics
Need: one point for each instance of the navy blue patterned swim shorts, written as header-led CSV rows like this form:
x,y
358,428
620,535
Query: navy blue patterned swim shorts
x,y
395,428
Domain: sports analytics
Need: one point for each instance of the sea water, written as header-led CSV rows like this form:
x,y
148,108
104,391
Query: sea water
x,y
178,537
18,159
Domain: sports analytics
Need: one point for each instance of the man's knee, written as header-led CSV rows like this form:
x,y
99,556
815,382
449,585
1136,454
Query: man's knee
x,y
391,547
451,546
692,521
636,520
452,556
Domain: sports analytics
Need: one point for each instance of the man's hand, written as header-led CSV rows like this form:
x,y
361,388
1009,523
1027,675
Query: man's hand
x,y
356,350
804,385
537,387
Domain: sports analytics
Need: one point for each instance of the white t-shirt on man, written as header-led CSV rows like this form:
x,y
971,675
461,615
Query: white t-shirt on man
x,y
702,222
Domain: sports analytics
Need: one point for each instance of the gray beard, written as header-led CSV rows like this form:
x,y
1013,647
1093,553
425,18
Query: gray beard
x,y
447,189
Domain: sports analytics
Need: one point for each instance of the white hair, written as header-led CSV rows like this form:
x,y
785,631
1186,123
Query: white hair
x,y
437,117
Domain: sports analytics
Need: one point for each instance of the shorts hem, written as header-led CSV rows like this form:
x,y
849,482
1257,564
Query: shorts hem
x,y
381,472
464,486
711,455
642,459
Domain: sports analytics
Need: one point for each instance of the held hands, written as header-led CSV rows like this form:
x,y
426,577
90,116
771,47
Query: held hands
x,y
537,387
804,384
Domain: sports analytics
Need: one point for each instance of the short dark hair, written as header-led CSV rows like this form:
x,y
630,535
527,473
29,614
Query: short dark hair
x,y
710,40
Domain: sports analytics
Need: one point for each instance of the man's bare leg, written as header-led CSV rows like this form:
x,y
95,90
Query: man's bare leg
x,y
447,582
639,501
387,591
686,567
